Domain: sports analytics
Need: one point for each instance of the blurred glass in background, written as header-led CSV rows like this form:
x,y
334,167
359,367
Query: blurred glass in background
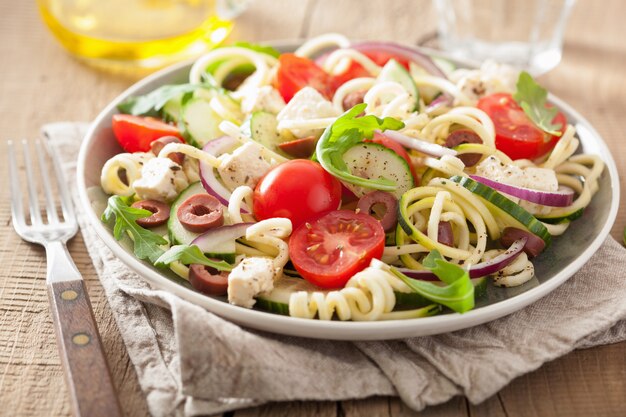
x,y
527,34
139,33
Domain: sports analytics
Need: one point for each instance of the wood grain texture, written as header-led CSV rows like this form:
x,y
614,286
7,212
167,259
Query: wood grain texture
x,y
86,370
40,83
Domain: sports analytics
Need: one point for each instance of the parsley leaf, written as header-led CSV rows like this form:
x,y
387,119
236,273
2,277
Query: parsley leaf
x,y
145,242
190,254
151,104
458,294
347,131
532,98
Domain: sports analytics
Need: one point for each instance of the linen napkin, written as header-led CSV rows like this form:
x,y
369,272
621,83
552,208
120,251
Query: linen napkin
x,y
191,362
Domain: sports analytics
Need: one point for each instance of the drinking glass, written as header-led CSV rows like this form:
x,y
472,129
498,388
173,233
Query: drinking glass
x,y
139,33
527,34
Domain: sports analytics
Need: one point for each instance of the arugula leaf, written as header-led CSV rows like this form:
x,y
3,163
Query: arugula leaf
x,y
457,295
190,254
347,131
145,242
532,98
150,104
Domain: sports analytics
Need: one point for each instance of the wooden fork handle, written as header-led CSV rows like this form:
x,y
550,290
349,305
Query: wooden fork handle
x,y
86,370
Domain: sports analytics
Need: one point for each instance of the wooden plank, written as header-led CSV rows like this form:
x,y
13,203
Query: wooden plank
x,y
492,407
589,382
293,408
456,407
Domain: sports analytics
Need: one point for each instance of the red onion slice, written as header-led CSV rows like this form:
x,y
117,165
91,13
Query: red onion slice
x,y
409,53
211,184
439,102
479,270
428,148
562,198
214,239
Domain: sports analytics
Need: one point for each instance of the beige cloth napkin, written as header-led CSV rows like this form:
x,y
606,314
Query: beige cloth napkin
x,y
191,362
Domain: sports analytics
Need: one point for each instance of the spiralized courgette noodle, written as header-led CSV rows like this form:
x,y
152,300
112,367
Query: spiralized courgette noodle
x,y
475,224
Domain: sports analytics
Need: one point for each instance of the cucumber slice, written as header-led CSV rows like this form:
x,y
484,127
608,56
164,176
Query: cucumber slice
x,y
511,213
563,218
172,110
445,65
262,127
277,300
374,161
393,71
200,123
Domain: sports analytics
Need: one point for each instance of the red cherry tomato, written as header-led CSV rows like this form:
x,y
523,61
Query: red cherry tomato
x,y
516,135
397,148
298,190
136,133
331,249
294,73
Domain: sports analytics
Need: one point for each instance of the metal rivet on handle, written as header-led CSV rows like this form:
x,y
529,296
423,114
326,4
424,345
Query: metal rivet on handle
x,y
69,295
81,339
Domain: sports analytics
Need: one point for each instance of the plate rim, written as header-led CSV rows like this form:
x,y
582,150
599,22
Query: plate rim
x,y
339,330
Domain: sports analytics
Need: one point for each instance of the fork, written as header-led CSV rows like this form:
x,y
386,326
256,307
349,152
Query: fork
x,y
86,370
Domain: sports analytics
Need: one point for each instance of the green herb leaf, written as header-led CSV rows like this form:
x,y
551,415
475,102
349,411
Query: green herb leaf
x,y
151,104
146,242
533,98
458,294
348,131
190,254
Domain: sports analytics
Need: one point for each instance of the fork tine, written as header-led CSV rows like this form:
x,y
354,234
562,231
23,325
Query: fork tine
x,y
51,210
66,202
17,208
35,214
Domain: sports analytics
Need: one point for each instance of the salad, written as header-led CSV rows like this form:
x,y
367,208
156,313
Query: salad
x,y
349,181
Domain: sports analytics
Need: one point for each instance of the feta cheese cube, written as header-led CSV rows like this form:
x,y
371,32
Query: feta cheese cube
x,y
307,104
245,166
491,78
250,278
161,179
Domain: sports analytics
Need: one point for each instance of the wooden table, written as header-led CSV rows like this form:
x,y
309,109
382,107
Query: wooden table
x,y
40,83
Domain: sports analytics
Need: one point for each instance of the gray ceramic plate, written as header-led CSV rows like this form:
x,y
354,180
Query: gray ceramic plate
x,y
559,262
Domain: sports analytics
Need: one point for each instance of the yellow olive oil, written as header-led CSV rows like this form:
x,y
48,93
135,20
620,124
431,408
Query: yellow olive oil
x,y
141,33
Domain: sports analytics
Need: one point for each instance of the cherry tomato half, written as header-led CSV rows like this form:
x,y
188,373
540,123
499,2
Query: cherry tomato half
x,y
298,190
516,135
331,249
294,73
136,133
